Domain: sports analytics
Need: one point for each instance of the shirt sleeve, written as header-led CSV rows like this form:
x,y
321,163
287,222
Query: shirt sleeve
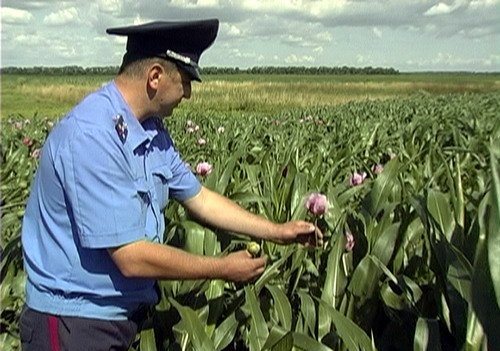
x,y
107,203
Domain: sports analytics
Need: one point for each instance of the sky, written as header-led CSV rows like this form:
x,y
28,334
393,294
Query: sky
x,y
424,35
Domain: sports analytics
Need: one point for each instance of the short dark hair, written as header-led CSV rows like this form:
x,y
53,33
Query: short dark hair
x,y
136,68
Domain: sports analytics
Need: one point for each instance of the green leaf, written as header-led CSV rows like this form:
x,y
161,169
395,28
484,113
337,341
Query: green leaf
x,y
297,196
365,279
382,187
273,270
427,336
282,306
258,328
194,327
276,334
225,332
494,226
305,342
351,334
308,311
194,237
223,180
484,295
335,282
440,210
384,246
148,340
284,344
246,197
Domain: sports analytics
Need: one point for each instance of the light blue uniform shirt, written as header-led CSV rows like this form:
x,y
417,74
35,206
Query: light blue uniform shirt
x,y
98,186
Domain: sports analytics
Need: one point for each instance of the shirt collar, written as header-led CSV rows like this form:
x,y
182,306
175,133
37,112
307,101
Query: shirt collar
x,y
137,135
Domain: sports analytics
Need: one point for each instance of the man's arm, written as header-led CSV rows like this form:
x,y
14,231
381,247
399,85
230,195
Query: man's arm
x,y
143,259
221,212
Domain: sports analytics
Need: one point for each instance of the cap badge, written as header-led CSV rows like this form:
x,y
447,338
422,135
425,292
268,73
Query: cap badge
x,y
181,58
121,128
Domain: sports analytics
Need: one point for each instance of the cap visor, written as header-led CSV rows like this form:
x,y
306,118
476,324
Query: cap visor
x,y
190,70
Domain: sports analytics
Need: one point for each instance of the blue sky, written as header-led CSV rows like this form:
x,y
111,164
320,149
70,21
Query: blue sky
x,y
406,35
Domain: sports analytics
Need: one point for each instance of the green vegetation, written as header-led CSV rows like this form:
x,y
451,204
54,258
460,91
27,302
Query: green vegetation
x,y
422,271
52,96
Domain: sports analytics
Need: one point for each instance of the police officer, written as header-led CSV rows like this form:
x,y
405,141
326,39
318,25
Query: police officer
x,y
92,234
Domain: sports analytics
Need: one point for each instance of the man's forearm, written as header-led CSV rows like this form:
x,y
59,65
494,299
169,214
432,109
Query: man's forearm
x,y
219,211
150,260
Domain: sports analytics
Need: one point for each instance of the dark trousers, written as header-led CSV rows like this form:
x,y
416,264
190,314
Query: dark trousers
x,y
44,332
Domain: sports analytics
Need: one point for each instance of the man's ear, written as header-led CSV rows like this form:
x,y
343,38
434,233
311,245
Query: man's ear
x,y
155,72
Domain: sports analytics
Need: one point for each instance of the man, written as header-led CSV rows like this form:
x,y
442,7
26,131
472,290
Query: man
x,y
93,230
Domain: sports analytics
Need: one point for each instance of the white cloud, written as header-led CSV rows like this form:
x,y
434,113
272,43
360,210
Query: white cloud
x,y
450,61
231,30
318,50
438,9
28,40
443,9
294,59
15,16
324,37
316,8
483,3
377,32
363,60
195,3
109,6
61,17
323,32
139,20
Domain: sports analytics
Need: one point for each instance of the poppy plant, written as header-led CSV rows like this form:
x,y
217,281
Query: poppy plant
x,y
204,168
317,204
349,245
357,179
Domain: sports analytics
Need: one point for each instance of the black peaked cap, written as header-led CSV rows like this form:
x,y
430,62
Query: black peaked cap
x,y
182,42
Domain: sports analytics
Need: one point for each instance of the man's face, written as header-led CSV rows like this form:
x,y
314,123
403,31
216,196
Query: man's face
x,y
172,88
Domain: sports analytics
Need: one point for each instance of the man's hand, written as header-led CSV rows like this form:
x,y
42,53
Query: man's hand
x,y
301,232
240,266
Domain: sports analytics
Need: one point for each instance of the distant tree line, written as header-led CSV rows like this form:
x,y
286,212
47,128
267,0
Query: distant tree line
x,y
300,70
112,70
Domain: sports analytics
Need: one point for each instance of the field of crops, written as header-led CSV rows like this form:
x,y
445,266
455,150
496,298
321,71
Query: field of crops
x,y
411,173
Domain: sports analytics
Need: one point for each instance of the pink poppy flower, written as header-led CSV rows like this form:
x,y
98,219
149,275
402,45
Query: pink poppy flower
x,y
357,179
317,204
349,245
201,141
36,153
27,141
204,168
377,169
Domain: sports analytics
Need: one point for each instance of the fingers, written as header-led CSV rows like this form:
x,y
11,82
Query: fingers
x,y
308,234
243,267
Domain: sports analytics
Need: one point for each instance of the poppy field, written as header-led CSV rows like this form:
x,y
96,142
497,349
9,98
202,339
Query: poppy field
x,y
406,190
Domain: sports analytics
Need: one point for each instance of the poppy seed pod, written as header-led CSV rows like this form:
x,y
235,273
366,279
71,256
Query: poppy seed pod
x,y
253,248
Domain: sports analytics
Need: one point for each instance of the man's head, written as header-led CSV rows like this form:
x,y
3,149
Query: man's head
x,y
164,56
178,42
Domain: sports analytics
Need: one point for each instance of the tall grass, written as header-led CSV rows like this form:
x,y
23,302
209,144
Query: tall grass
x,y
53,96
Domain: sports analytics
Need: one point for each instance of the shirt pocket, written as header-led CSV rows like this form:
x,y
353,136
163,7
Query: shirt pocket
x,y
161,178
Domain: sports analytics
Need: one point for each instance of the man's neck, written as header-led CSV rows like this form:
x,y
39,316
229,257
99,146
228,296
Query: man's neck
x,y
133,92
